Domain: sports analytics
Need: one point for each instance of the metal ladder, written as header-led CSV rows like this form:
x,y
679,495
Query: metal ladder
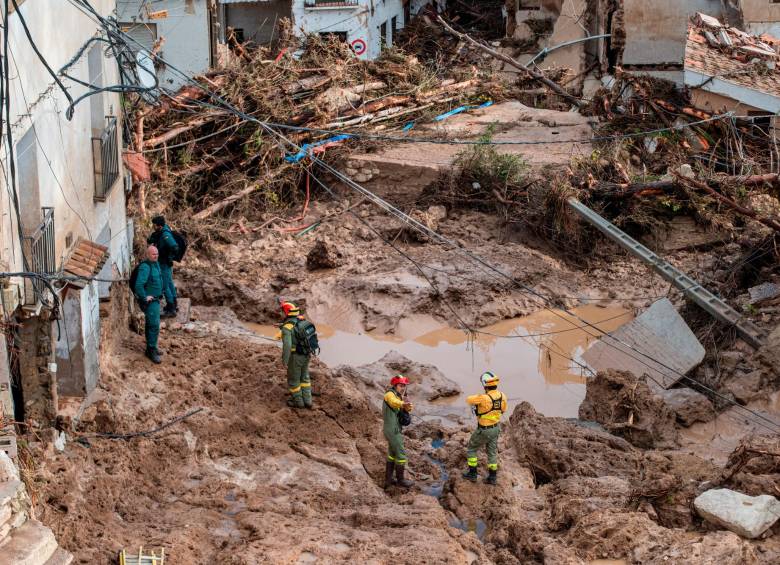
x,y
747,330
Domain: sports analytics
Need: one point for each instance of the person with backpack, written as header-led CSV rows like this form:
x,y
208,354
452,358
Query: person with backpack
x,y
488,408
299,342
148,289
395,415
163,238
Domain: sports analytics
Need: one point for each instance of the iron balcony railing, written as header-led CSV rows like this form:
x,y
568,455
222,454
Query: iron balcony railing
x,y
105,157
331,3
41,253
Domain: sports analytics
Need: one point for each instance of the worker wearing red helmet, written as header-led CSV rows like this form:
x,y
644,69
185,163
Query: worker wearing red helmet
x,y
297,364
395,414
488,408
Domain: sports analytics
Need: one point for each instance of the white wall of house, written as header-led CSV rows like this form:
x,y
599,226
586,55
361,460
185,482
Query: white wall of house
x,y
761,16
184,24
54,155
256,20
656,31
362,22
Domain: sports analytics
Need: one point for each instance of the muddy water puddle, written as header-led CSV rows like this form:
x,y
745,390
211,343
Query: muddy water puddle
x,y
531,354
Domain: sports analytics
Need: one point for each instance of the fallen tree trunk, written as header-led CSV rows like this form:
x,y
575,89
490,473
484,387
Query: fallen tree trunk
x,y
217,206
517,64
446,88
175,132
768,222
627,189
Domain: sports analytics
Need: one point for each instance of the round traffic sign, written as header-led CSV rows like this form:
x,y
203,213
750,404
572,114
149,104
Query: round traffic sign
x,y
358,46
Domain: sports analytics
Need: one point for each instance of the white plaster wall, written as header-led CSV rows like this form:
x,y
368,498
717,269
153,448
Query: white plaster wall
x,y
360,22
64,149
656,31
768,28
186,32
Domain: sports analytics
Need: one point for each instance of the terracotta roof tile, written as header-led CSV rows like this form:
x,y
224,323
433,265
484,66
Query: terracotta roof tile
x,y
86,259
733,63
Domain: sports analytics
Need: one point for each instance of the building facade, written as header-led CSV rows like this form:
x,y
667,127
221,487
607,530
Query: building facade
x,y
367,25
184,28
62,207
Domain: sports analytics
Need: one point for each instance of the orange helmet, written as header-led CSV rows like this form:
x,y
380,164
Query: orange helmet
x,y
290,309
399,380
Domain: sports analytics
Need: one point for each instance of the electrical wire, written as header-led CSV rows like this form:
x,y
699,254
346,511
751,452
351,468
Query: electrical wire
x,y
37,51
604,336
48,160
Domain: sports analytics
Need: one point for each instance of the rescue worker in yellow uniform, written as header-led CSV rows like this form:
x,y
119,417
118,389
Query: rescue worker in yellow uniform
x,y
488,408
395,415
297,364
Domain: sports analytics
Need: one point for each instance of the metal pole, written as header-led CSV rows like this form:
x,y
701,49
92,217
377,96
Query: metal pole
x,y
721,311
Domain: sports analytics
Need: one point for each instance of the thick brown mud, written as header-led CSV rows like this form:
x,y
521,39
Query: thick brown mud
x,y
531,354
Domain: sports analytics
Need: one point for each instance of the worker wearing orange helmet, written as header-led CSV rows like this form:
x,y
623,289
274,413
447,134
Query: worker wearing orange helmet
x,y
395,415
296,362
488,407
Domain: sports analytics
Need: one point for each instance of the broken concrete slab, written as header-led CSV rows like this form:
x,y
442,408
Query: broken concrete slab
x,y
683,232
764,291
746,516
668,347
406,168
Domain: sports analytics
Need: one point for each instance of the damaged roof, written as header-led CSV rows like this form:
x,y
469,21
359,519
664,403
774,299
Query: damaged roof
x,y
724,54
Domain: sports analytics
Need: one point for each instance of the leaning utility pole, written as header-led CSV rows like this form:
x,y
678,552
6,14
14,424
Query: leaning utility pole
x,y
747,330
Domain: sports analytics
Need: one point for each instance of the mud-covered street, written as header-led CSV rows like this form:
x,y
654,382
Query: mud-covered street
x,y
279,279
250,480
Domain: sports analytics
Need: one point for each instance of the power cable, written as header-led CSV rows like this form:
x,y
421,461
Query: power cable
x,y
46,156
84,4
466,253
6,106
37,52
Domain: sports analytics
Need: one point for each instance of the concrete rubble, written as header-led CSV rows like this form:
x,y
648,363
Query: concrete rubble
x,y
747,516
659,332
638,429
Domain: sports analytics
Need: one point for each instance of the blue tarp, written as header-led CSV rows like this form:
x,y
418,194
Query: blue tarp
x,y
460,109
306,148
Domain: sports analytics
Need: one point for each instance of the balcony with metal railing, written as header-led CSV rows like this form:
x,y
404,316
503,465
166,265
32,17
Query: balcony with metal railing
x,y
105,159
39,250
331,4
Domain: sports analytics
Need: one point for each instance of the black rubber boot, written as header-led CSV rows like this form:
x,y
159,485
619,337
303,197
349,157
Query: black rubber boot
x,y
389,480
169,311
399,477
492,478
471,474
153,355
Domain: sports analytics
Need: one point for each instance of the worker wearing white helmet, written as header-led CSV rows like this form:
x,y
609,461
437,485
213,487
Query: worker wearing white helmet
x,y
488,407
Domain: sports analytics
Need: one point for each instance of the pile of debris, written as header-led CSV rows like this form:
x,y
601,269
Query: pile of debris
x,y
208,162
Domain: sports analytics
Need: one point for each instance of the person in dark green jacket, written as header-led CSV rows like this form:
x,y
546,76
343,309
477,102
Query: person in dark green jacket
x,y
162,238
297,363
149,289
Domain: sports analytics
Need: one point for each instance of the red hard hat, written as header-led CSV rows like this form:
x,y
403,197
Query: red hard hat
x,y
399,380
290,309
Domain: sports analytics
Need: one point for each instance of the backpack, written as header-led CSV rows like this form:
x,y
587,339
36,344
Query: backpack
x,y
306,341
181,242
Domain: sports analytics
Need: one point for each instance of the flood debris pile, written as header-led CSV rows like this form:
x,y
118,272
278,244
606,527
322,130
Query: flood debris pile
x,y
208,163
